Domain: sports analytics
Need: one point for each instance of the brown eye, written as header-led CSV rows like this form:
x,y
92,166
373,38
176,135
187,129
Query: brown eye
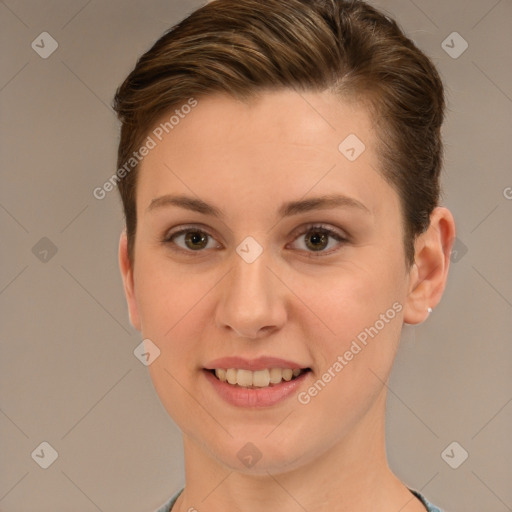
x,y
319,241
316,241
190,240
196,240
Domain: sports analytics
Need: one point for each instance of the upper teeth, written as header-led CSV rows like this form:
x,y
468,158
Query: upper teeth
x,y
259,378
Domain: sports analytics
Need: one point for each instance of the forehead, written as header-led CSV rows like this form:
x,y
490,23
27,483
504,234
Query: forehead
x,y
277,143
313,119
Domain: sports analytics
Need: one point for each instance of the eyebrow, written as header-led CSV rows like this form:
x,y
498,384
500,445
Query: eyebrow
x,y
286,210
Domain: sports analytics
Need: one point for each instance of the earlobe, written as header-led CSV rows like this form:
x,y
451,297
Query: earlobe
x,y
429,272
125,265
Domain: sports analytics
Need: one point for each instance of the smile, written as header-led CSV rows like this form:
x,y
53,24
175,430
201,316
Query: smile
x,y
267,377
266,394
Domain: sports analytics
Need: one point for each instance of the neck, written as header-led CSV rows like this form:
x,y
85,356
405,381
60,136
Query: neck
x,y
352,475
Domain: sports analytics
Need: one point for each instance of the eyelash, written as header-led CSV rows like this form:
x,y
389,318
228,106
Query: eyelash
x,y
316,228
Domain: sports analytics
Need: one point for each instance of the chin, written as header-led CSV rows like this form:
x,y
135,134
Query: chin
x,y
259,454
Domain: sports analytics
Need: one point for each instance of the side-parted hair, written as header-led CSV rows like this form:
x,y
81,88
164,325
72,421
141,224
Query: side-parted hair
x,y
246,47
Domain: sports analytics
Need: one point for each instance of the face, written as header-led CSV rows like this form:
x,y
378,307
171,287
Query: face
x,y
260,238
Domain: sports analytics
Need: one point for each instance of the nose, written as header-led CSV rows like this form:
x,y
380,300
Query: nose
x,y
252,302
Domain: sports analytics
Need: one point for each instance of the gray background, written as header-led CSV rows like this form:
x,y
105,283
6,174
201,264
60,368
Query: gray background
x,y
68,374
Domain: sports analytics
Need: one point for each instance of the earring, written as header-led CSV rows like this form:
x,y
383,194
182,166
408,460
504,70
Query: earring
x,y
429,310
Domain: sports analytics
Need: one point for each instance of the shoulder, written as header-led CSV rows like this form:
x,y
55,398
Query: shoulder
x,y
167,506
428,505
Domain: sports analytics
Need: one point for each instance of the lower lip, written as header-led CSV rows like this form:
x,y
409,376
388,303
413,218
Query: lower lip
x,y
253,397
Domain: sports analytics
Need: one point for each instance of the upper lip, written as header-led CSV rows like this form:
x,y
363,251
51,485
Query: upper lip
x,y
260,363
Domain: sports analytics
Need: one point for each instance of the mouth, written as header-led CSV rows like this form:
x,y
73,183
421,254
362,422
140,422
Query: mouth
x,y
258,379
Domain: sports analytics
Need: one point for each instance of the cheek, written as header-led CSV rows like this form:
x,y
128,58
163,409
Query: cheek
x,y
362,306
166,295
172,311
353,363
353,297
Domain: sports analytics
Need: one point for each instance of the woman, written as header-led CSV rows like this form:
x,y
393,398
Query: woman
x,y
279,169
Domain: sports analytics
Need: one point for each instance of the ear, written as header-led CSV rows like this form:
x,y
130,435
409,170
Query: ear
x,y
429,272
127,274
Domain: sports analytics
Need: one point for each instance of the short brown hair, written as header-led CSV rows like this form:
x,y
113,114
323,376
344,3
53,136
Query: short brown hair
x,y
244,47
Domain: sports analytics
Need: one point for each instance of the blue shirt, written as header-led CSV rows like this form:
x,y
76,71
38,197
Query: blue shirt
x,y
428,506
